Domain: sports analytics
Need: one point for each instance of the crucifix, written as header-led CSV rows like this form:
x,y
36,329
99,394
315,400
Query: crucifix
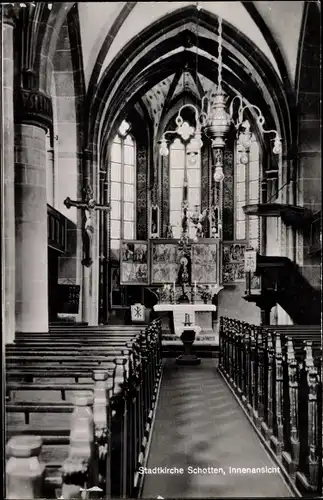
x,y
88,205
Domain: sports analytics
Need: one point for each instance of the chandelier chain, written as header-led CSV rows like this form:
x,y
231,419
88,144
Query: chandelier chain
x,y
197,40
220,55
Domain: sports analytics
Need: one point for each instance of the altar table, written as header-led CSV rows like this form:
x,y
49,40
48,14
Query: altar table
x,y
199,315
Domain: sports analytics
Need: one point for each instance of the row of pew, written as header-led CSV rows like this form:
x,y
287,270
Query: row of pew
x,y
276,372
79,408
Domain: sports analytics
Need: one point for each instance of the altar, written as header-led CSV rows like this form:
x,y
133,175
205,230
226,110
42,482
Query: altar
x,y
188,323
199,315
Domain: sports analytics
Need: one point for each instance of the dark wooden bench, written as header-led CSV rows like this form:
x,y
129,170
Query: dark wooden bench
x,y
296,331
74,339
94,328
300,334
88,333
76,361
94,350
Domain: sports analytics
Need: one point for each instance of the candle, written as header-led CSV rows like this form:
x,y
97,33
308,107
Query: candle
x,y
174,289
195,289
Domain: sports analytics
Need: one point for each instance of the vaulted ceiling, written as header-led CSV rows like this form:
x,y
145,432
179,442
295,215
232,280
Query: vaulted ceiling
x,y
154,53
281,18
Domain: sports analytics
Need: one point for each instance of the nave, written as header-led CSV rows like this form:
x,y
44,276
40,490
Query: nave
x,y
200,425
142,410
162,186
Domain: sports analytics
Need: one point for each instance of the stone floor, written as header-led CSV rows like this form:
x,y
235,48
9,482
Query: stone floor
x,y
200,424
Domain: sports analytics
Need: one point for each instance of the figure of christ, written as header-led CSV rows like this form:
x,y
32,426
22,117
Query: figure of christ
x,y
88,206
88,236
184,276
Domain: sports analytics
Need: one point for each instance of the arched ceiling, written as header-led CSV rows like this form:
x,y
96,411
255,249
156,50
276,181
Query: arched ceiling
x,y
184,41
120,22
284,22
153,53
136,52
100,16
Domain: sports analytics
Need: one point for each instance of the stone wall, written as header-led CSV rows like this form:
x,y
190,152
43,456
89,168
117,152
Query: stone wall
x,y
309,139
232,305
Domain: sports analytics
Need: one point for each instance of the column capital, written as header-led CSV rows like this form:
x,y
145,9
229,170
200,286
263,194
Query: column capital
x,y
33,107
10,14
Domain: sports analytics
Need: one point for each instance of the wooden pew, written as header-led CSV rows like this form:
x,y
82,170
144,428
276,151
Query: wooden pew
x,y
117,467
86,334
39,480
74,341
89,332
143,375
299,334
62,438
40,373
279,380
107,328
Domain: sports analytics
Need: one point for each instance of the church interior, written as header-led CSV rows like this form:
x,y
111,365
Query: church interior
x,y
161,249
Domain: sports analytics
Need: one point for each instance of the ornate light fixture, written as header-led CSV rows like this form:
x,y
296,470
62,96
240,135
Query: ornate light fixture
x,y
215,122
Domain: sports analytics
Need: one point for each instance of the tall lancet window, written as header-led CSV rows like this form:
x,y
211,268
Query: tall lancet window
x,y
179,160
247,191
123,188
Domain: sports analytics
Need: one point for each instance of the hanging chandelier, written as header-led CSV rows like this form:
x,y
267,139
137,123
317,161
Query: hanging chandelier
x,y
215,122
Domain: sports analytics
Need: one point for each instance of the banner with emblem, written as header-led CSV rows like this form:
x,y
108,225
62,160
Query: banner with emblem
x,y
138,313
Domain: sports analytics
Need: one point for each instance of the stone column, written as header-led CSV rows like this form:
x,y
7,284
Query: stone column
x,y
87,271
8,178
33,116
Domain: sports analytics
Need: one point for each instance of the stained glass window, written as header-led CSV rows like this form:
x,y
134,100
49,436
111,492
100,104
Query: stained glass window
x,y
177,158
247,192
241,177
122,185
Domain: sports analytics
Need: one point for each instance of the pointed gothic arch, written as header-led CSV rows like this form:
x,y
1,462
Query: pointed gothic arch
x,y
241,44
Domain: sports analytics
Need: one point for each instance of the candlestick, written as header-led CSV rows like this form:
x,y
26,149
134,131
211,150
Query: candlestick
x,y
187,321
174,291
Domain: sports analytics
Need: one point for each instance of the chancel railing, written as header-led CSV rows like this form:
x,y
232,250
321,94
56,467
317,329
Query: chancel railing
x,y
279,381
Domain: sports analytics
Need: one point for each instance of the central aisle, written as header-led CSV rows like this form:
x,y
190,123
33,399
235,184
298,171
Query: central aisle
x,y
200,424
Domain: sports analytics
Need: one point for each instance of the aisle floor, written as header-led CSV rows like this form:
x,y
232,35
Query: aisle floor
x,y
199,424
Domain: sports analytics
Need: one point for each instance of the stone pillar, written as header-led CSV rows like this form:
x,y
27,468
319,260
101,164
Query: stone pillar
x,y
8,220
87,271
33,116
265,316
86,294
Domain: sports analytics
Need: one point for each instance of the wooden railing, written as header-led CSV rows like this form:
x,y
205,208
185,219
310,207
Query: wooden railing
x,y
280,386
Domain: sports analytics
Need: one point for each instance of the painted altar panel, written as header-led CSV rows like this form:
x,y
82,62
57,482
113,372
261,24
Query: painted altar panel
x,y
205,262
164,261
134,263
233,262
